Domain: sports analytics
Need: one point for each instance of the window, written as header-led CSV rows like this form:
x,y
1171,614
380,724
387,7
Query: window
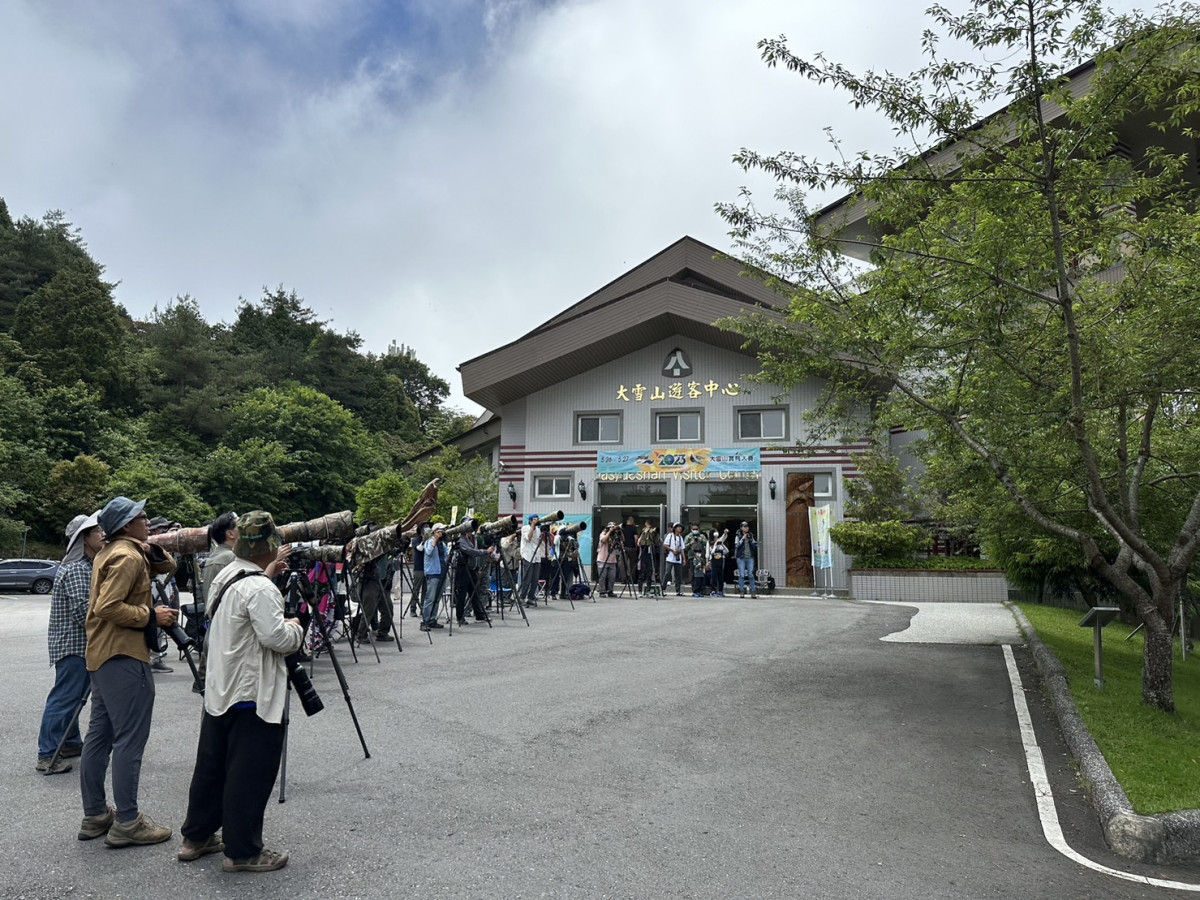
x,y
551,486
677,426
762,424
823,484
598,428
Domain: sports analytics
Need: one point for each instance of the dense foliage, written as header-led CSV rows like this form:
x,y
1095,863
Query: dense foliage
x,y
275,410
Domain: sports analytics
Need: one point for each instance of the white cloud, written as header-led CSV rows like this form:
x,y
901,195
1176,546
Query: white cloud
x,y
450,203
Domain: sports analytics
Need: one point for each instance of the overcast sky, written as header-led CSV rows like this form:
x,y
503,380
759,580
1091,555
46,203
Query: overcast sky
x,y
443,173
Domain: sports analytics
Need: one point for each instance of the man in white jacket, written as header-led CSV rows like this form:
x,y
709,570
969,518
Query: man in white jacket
x,y
241,735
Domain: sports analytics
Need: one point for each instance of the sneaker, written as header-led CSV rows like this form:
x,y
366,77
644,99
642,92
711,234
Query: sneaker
x,y
190,851
142,830
60,765
436,625
266,861
158,667
383,637
460,622
424,626
694,594
70,751
753,596
97,826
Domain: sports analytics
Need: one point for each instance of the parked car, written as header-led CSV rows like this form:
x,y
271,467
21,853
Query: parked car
x,y
35,575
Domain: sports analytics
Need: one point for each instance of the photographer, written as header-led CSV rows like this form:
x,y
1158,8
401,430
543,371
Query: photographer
x,y
435,577
606,559
120,624
67,641
241,734
531,546
222,533
470,572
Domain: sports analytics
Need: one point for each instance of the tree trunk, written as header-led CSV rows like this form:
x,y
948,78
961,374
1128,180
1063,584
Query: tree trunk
x,y
1158,688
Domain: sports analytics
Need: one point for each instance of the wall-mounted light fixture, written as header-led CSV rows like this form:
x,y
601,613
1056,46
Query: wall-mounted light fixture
x,y
512,494
582,490
771,485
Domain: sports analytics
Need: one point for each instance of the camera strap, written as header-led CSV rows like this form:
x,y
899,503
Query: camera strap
x,y
236,578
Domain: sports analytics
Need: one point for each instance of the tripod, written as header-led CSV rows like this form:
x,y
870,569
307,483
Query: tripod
x,y
650,554
556,575
616,556
504,568
362,622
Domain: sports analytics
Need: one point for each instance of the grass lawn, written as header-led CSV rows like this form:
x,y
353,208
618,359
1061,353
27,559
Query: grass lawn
x,y
1155,756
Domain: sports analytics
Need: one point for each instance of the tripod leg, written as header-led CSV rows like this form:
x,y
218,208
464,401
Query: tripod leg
x,y
287,703
87,692
341,677
362,617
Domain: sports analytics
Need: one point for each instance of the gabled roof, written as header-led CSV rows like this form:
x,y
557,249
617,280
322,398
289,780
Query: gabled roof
x,y
681,290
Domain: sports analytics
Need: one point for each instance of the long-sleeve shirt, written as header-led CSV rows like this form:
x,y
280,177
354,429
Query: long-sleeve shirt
x,y
67,634
435,557
247,642
119,604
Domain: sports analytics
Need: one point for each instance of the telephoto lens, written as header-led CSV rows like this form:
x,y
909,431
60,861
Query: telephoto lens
x,y
182,639
310,700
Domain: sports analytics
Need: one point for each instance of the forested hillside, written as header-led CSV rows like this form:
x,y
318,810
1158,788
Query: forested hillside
x,y
275,409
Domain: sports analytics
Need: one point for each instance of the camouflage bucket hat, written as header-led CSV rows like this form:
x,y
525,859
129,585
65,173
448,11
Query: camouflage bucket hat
x,y
257,535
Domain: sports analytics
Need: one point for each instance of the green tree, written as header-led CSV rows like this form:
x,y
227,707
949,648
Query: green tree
x,y
466,482
249,475
74,487
385,499
192,376
75,332
1030,294
329,453
165,492
32,253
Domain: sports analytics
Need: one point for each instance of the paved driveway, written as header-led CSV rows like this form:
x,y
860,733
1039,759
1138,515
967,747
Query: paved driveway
x,y
629,748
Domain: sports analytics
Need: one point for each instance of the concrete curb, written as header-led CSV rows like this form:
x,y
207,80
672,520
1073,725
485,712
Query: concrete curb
x,y
1167,838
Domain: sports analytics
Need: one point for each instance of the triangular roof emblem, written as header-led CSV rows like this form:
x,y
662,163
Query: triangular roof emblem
x,y
677,364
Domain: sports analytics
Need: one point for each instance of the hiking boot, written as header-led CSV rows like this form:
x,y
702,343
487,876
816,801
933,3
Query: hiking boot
x,y
158,667
70,751
142,830
60,765
97,826
266,861
382,637
424,626
190,851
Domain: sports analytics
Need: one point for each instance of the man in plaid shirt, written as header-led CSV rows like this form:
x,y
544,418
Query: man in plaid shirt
x,y
67,642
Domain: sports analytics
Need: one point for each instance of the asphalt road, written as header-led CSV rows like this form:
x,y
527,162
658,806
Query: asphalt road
x,y
629,748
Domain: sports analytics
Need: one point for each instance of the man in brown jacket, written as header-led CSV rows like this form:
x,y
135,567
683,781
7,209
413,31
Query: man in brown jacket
x,y
120,612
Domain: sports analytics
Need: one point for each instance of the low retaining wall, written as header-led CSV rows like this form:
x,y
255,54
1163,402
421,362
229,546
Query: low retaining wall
x,y
925,586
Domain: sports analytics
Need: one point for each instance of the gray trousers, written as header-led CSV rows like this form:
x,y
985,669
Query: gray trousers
x,y
122,704
529,579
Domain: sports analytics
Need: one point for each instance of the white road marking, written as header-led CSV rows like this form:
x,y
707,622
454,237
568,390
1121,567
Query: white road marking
x,y
1045,798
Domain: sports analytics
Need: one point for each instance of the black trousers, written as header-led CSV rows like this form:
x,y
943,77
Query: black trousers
x,y
468,583
237,759
376,611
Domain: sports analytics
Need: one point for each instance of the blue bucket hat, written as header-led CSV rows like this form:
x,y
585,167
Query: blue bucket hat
x,y
118,513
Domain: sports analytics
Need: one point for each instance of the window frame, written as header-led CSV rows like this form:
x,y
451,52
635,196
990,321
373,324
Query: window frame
x,y
739,411
600,414
690,411
568,477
